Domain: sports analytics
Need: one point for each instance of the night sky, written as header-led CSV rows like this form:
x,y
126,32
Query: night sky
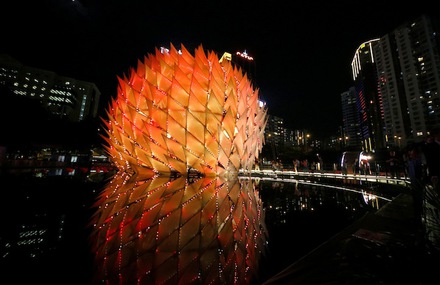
x,y
302,49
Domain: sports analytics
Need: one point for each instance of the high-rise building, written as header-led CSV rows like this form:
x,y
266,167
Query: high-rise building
x,y
397,86
64,97
368,99
274,135
408,65
350,117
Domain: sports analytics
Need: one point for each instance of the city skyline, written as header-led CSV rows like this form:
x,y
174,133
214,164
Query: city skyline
x,y
302,54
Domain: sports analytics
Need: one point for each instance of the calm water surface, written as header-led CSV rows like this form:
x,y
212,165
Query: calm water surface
x,y
301,216
45,224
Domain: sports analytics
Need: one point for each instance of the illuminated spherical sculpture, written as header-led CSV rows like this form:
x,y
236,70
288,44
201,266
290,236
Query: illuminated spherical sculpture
x,y
181,114
178,113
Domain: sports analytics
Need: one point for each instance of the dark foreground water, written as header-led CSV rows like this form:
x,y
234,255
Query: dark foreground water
x,y
45,224
301,216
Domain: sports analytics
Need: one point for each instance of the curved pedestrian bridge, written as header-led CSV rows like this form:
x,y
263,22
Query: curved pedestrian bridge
x,y
353,178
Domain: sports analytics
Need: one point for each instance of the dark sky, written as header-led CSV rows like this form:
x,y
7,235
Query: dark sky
x,y
302,49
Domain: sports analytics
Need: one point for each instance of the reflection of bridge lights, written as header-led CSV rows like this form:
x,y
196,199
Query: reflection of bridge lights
x,y
368,197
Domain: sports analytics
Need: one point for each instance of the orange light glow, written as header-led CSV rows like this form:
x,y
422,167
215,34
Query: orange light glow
x,y
159,231
178,112
180,127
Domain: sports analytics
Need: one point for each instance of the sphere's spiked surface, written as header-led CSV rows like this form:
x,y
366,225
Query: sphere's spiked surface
x,y
181,114
178,112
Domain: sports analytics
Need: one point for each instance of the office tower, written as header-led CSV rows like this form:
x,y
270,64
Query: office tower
x,y
274,136
368,99
408,66
65,98
350,117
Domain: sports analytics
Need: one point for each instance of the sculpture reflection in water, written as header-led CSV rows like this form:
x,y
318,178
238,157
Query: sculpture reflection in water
x,y
162,231
180,129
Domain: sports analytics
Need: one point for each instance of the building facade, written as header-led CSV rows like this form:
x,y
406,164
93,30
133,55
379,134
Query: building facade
x,y
408,65
397,85
368,99
350,120
66,98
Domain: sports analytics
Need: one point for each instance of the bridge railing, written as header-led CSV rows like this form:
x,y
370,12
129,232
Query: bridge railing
x,y
290,174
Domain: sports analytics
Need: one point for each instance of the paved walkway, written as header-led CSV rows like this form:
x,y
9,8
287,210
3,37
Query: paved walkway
x,y
380,248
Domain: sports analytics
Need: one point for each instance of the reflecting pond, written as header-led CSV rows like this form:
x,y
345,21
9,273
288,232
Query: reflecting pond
x,y
162,230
